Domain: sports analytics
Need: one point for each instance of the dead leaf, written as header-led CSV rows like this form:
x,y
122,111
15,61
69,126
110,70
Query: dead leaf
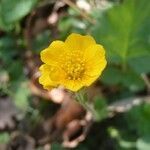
x,y
8,113
20,141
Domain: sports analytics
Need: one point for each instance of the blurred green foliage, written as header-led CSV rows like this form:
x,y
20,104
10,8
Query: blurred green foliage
x,y
4,138
124,32
123,28
140,115
11,12
100,108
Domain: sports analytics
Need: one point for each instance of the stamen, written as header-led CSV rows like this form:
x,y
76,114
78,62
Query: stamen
x,y
74,65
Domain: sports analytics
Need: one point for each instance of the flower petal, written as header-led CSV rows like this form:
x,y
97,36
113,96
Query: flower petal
x,y
45,78
94,51
88,80
57,75
79,42
53,54
95,62
73,85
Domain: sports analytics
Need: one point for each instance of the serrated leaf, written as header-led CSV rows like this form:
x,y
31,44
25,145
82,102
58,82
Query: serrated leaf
x,y
124,30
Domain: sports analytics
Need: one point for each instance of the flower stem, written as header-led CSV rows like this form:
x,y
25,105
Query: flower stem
x,y
82,98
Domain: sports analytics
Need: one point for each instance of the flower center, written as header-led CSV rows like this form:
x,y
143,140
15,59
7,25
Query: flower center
x,y
74,66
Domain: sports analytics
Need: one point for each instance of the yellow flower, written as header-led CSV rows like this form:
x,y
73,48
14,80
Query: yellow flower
x,y
74,64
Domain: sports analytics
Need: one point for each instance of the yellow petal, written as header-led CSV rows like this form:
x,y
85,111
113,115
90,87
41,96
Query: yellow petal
x,y
73,85
95,67
53,54
57,75
95,62
94,51
79,42
94,72
45,77
88,79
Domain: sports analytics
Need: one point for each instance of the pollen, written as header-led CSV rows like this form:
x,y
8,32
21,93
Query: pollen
x,y
74,66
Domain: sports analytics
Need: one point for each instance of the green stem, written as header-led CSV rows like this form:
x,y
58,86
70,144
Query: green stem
x,y
82,98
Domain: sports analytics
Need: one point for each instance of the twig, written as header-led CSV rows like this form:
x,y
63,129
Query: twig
x,y
82,13
146,80
126,104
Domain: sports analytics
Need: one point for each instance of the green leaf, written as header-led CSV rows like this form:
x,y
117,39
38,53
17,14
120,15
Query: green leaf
x,y
56,146
132,81
13,11
21,95
71,23
143,143
100,108
3,25
16,70
124,31
129,79
140,115
7,49
111,76
7,41
41,41
4,138
140,64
